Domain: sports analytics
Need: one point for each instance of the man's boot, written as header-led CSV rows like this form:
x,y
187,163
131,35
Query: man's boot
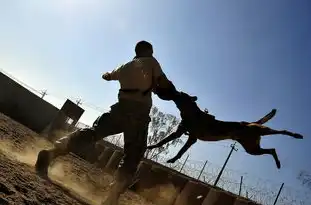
x,y
71,142
42,163
44,159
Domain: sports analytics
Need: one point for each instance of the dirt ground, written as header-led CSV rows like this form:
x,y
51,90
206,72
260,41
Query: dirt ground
x,y
74,180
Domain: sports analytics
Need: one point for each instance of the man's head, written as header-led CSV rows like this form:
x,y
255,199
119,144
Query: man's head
x,y
143,49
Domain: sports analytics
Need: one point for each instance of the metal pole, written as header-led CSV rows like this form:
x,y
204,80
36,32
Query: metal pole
x,y
43,94
277,196
79,102
240,185
202,170
223,167
184,163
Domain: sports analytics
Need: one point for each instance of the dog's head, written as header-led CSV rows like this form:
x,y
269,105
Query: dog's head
x,y
168,93
185,102
187,97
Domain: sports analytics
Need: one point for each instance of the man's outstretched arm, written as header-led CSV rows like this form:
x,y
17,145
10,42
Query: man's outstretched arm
x,y
113,75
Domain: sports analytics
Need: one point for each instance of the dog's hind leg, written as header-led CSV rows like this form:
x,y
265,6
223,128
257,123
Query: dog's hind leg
x,y
252,147
269,131
178,133
272,152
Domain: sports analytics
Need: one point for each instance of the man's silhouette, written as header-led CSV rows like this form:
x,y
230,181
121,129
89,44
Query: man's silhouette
x,y
130,115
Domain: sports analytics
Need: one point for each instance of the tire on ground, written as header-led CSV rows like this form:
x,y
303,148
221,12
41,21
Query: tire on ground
x,y
142,175
158,186
179,181
218,197
104,157
113,162
193,193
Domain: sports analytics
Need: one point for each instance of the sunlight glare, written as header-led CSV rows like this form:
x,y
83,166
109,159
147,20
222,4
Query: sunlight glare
x,y
77,6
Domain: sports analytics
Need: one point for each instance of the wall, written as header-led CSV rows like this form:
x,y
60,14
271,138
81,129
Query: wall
x,y
155,177
23,106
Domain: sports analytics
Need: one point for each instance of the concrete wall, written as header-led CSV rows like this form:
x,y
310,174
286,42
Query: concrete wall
x,y
23,106
166,186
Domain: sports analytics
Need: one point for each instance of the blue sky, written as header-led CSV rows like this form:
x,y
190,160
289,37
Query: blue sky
x,y
241,58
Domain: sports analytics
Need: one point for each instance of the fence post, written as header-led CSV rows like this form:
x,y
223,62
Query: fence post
x,y
223,167
184,164
240,185
277,196
202,170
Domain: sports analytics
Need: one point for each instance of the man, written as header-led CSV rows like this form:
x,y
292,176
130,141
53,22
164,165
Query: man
x,y
130,115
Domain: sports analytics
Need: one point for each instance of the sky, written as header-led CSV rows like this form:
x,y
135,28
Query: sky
x,y
241,58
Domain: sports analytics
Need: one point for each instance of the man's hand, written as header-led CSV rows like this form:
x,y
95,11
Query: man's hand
x,y
106,76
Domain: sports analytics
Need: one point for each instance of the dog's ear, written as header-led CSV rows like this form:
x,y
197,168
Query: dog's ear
x,y
194,98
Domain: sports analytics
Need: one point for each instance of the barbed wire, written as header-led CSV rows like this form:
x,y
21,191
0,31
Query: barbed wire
x,y
260,190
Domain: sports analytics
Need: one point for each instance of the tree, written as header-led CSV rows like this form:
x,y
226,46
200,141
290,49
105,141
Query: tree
x,y
305,178
161,126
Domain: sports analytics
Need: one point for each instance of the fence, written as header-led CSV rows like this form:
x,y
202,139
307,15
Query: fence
x,y
254,188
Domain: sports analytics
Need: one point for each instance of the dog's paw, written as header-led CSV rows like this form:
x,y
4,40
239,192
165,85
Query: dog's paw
x,y
298,136
278,164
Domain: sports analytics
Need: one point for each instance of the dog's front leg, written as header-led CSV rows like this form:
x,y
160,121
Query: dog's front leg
x,y
178,133
187,145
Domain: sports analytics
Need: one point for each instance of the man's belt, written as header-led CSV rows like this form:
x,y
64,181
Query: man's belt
x,y
136,91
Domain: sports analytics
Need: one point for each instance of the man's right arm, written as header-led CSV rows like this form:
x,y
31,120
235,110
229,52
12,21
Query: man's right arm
x,y
113,75
159,76
162,86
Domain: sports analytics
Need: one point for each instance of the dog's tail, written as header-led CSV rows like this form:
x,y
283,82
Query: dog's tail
x,y
267,117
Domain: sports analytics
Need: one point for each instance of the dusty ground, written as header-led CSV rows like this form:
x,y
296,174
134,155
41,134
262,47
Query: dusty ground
x,y
19,184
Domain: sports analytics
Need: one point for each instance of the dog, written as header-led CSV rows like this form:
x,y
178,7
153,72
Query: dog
x,y
198,124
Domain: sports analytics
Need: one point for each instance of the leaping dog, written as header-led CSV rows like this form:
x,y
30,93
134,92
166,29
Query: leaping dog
x,y
198,124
